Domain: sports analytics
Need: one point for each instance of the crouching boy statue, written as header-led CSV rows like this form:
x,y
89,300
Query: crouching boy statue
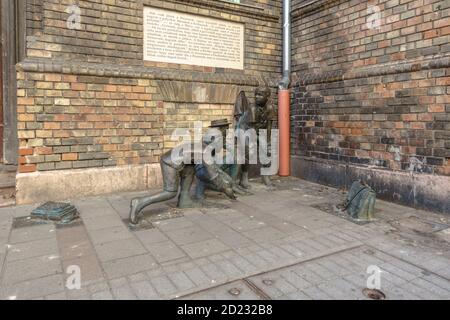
x,y
177,170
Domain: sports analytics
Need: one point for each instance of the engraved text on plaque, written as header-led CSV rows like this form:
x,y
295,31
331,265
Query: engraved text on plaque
x,y
182,38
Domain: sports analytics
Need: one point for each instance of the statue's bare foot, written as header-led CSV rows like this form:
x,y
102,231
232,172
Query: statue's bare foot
x,y
268,183
189,203
245,184
134,212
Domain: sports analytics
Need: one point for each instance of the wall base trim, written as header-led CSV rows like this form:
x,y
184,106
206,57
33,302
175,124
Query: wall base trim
x,y
71,184
420,191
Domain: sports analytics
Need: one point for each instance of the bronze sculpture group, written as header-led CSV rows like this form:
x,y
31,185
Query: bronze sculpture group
x,y
179,174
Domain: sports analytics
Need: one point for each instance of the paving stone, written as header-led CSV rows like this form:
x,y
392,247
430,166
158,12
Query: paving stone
x,y
119,249
32,268
429,286
299,295
198,276
151,236
163,286
90,269
232,238
245,224
223,293
243,264
110,234
213,272
124,293
294,279
94,207
138,277
317,294
128,266
57,296
341,290
204,248
102,295
174,224
32,249
33,288
82,295
34,233
99,286
119,282
267,234
189,235
420,292
229,268
144,290
23,211
102,222
181,281
165,251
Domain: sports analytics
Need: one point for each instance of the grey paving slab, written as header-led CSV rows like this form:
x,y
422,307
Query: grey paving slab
x,y
198,276
57,296
189,235
90,268
110,234
174,224
32,249
205,248
128,266
304,252
144,290
245,224
102,295
32,233
30,289
31,268
95,223
232,238
181,280
165,251
119,249
124,293
233,291
151,236
266,234
163,285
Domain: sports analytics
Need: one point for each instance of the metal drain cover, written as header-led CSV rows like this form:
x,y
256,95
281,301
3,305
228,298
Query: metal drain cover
x,y
234,291
268,282
374,294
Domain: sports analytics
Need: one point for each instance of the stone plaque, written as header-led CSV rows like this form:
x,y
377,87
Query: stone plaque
x,y
183,38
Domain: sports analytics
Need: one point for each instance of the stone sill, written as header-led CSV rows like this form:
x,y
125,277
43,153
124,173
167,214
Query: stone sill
x,y
310,7
238,9
424,63
124,71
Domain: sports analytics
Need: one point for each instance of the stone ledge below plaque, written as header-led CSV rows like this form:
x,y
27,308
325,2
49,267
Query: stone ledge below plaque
x,y
238,9
127,71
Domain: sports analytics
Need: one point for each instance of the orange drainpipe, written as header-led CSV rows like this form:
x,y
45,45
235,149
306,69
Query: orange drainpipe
x,y
284,125
284,100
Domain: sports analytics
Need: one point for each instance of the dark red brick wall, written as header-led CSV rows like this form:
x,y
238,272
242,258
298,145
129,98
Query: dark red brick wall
x,y
376,97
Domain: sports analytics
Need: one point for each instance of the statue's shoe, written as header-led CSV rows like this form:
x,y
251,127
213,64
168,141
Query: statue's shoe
x,y
134,212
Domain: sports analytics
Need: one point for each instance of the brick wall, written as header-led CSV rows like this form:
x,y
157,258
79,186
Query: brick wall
x,y
112,30
69,121
88,100
377,97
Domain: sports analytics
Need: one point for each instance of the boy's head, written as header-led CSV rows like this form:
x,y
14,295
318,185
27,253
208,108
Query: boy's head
x,y
262,95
